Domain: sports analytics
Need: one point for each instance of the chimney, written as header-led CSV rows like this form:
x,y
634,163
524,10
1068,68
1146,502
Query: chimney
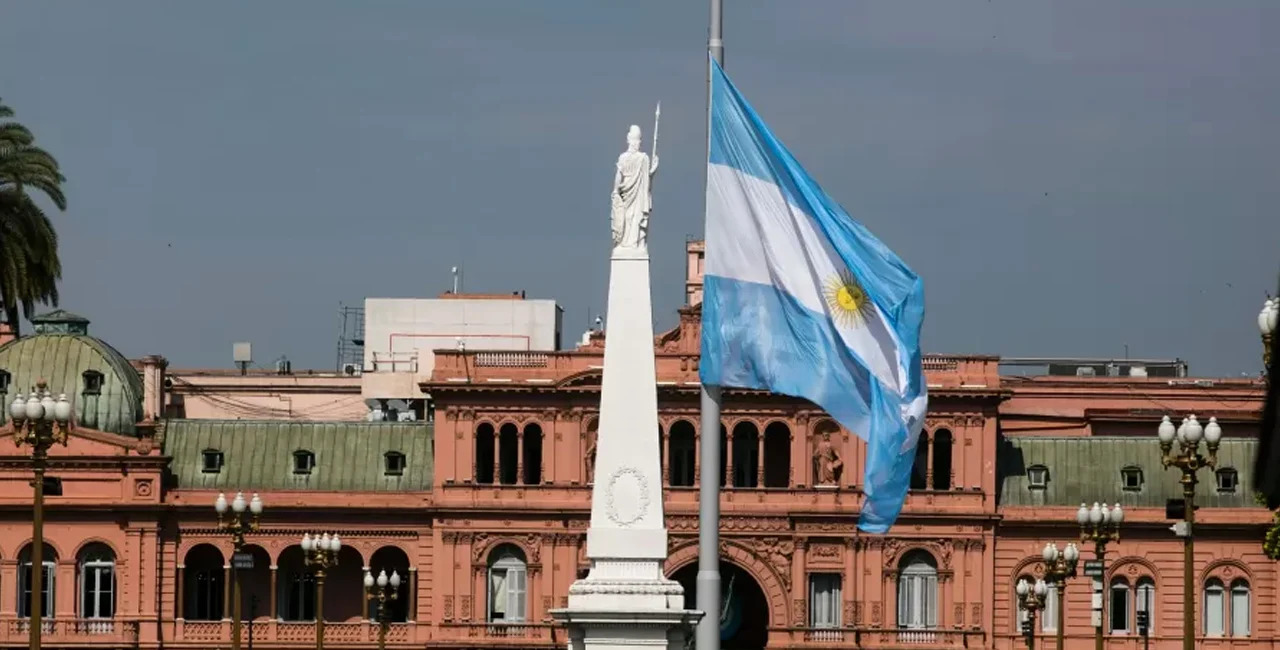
x,y
153,397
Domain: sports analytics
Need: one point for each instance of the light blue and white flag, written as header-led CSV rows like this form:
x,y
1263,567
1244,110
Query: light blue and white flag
x,y
802,300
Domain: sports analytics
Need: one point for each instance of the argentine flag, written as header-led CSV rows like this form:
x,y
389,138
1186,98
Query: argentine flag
x,y
802,300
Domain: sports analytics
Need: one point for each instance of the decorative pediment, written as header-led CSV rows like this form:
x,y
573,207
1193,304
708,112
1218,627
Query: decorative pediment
x,y
683,338
590,377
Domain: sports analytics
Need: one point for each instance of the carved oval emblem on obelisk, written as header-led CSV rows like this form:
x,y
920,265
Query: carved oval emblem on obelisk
x,y
627,496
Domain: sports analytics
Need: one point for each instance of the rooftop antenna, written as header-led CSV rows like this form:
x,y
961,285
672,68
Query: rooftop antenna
x,y
457,279
242,354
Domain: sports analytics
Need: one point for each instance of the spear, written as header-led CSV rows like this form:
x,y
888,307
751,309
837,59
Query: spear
x,y
656,115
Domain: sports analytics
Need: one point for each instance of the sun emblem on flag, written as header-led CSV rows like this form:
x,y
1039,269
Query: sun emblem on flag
x,y
847,300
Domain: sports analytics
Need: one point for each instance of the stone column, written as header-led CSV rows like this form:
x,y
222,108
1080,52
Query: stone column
x,y
760,459
519,456
179,600
274,595
411,611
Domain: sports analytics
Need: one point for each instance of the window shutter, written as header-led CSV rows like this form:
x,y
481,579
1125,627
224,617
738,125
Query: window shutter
x,y
931,602
1239,610
1213,606
516,606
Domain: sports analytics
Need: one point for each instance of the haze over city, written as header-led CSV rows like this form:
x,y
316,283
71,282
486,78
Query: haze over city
x,y
1068,178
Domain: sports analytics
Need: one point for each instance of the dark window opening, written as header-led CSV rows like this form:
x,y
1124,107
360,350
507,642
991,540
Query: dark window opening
x,y
393,463
942,460
680,454
303,461
1037,477
532,455
1131,478
5,380
211,461
920,469
777,455
508,454
92,382
484,454
746,455
1227,479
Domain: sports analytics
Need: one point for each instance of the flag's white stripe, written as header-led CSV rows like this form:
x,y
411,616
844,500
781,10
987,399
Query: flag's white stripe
x,y
759,236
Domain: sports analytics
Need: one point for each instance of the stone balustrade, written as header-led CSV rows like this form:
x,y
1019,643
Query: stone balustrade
x,y
72,632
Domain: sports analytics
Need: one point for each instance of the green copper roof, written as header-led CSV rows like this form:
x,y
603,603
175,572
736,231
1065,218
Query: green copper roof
x,y
1091,469
259,455
70,363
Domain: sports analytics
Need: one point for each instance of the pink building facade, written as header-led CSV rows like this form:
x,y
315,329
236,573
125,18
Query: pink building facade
x,y
484,509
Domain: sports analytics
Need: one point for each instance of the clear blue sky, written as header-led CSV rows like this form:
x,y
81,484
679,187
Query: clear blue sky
x,y
1068,177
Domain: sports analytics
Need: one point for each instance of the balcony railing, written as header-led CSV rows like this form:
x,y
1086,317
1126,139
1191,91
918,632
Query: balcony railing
x,y
890,639
300,633
76,631
516,632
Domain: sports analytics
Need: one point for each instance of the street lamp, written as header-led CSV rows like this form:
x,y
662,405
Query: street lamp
x,y
39,422
1058,566
320,552
1268,319
384,590
237,525
1031,597
1188,459
1101,527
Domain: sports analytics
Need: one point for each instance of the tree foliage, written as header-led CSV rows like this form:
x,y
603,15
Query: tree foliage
x,y
29,264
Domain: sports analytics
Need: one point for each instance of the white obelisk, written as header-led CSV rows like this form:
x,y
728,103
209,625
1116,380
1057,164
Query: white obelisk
x,y
626,601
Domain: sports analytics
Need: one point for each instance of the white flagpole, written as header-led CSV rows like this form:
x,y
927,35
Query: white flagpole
x,y
708,580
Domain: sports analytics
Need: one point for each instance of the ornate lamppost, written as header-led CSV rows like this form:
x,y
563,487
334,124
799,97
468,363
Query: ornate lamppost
x,y
1101,527
239,523
384,590
1187,458
39,422
1058,566
320,552
1031,597
1268,320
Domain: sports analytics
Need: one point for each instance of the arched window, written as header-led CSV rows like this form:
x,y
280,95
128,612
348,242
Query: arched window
x,y
484,454
1240,608
942,459
918,592
508,453
1146,602
746,454
508,581
97,582
25,584
777,455
920,469
202,580
1215,608
1119,612
680,453
532,454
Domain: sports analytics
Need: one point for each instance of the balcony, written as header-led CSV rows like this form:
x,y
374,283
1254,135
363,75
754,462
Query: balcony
x,y
300,634
71,632
885,639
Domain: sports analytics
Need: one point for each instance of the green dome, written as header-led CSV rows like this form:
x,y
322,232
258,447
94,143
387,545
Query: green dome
x,y
103,386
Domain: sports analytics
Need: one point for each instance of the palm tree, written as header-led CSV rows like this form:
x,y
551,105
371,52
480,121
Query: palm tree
x,y
29,265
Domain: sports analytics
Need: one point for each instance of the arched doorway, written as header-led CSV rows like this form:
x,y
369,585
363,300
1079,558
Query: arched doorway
x,y
744,616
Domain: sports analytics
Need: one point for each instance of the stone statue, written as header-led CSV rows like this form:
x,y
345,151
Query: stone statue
x,y
826,462
632,196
